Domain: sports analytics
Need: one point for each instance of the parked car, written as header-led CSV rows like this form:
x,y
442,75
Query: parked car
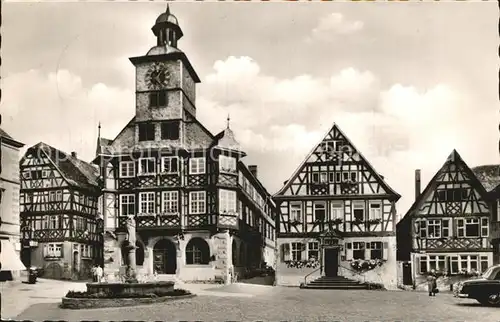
x,y
485,289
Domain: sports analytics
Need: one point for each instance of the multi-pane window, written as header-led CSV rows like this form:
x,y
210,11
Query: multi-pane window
x,y
127,169
53,250
470,227
484,227
450,195
358,250
445,226
376,250
147,165
170,165
432,262
468,263
434,228
147,202
227,201
331,177
158,98
337,208
359,211
146,132
170,130
227,164
319,211
54,222
349,176
52,196
297,251
323,177
375,210
313,250
197,166
127,205
315,177
170,201
86,251
296,211
197,202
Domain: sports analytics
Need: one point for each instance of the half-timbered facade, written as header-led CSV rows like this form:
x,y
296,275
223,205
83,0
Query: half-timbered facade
x,y
336,212
199,212
61,230
489,176
447,229
10,247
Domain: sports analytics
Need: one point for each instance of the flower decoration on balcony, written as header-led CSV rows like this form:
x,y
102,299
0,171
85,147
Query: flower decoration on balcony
x,y
295,222
366,265
310,263
357,221
335,222
437,274
229,170
374,221
472,273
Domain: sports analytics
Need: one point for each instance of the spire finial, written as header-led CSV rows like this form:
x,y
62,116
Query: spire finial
x,y
99,130
168,10
228,119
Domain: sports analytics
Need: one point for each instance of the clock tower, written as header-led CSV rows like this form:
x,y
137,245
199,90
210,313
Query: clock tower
x,y
165,85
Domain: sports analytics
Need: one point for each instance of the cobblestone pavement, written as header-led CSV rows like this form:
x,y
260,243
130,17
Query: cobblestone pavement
x,y
291,304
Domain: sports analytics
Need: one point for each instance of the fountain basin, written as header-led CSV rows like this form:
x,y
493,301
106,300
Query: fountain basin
x,y
121,289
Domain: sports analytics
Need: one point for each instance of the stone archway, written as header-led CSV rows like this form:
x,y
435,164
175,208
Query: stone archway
x,y
165,257
197,252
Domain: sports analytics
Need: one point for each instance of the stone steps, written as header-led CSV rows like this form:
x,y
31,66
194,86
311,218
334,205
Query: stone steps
x,y
335,283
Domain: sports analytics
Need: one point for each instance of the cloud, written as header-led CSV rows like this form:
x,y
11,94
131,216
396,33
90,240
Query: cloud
x,y
332,24
398,128
55,108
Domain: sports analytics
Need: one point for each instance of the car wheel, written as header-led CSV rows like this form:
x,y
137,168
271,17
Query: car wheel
x,y
494,299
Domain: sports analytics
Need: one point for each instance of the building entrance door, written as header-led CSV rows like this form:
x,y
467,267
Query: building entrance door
x,y
165,257
331,256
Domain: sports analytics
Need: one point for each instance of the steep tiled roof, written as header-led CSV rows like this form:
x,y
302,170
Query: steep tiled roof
x,y
77,172
4,134
488,175
226,140
103,145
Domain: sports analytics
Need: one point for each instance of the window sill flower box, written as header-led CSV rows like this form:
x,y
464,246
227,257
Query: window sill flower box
x,y
311,263
169,214
295,223
374,221
362,265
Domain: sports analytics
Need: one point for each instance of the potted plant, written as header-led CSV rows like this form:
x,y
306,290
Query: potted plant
x,y
374,221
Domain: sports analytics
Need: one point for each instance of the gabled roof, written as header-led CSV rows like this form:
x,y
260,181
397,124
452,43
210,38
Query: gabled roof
x,y
488,175
9,140
76,172
454,157
368,165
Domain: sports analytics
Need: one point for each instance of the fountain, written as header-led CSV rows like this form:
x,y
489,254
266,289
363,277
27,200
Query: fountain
x,y
129,291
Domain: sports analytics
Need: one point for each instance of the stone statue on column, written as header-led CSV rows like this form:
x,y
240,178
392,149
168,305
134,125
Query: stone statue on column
x,y
130,275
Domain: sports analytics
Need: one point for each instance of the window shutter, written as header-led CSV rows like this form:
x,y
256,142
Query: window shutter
x,y
348,253
62,250
285,252
368,253
45,250
385,251
417,265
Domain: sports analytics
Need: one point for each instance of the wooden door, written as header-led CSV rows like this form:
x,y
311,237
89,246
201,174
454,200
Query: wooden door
x,y
331,262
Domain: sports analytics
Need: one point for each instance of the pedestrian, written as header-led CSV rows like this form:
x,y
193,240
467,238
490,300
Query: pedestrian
x,y
99,273
432,283
94,273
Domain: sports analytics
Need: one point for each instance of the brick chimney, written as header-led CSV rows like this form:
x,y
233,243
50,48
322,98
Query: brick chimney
x,y
417,183
73,154
253,170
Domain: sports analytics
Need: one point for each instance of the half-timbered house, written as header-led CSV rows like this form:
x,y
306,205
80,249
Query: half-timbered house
x,y
10,246
447,228
199,212
336,217
61,230
489,176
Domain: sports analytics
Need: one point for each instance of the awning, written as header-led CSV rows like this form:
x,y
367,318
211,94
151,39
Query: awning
x,y
9,259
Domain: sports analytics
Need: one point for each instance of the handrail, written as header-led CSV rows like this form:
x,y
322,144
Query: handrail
x,y
305,277
355,272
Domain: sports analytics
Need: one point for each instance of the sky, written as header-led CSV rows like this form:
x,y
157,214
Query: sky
x,y
406,82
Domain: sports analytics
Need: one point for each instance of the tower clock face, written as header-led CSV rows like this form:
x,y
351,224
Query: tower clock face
x,y
157,76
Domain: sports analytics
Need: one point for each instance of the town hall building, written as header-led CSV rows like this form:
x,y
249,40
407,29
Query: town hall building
x,y
200,212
